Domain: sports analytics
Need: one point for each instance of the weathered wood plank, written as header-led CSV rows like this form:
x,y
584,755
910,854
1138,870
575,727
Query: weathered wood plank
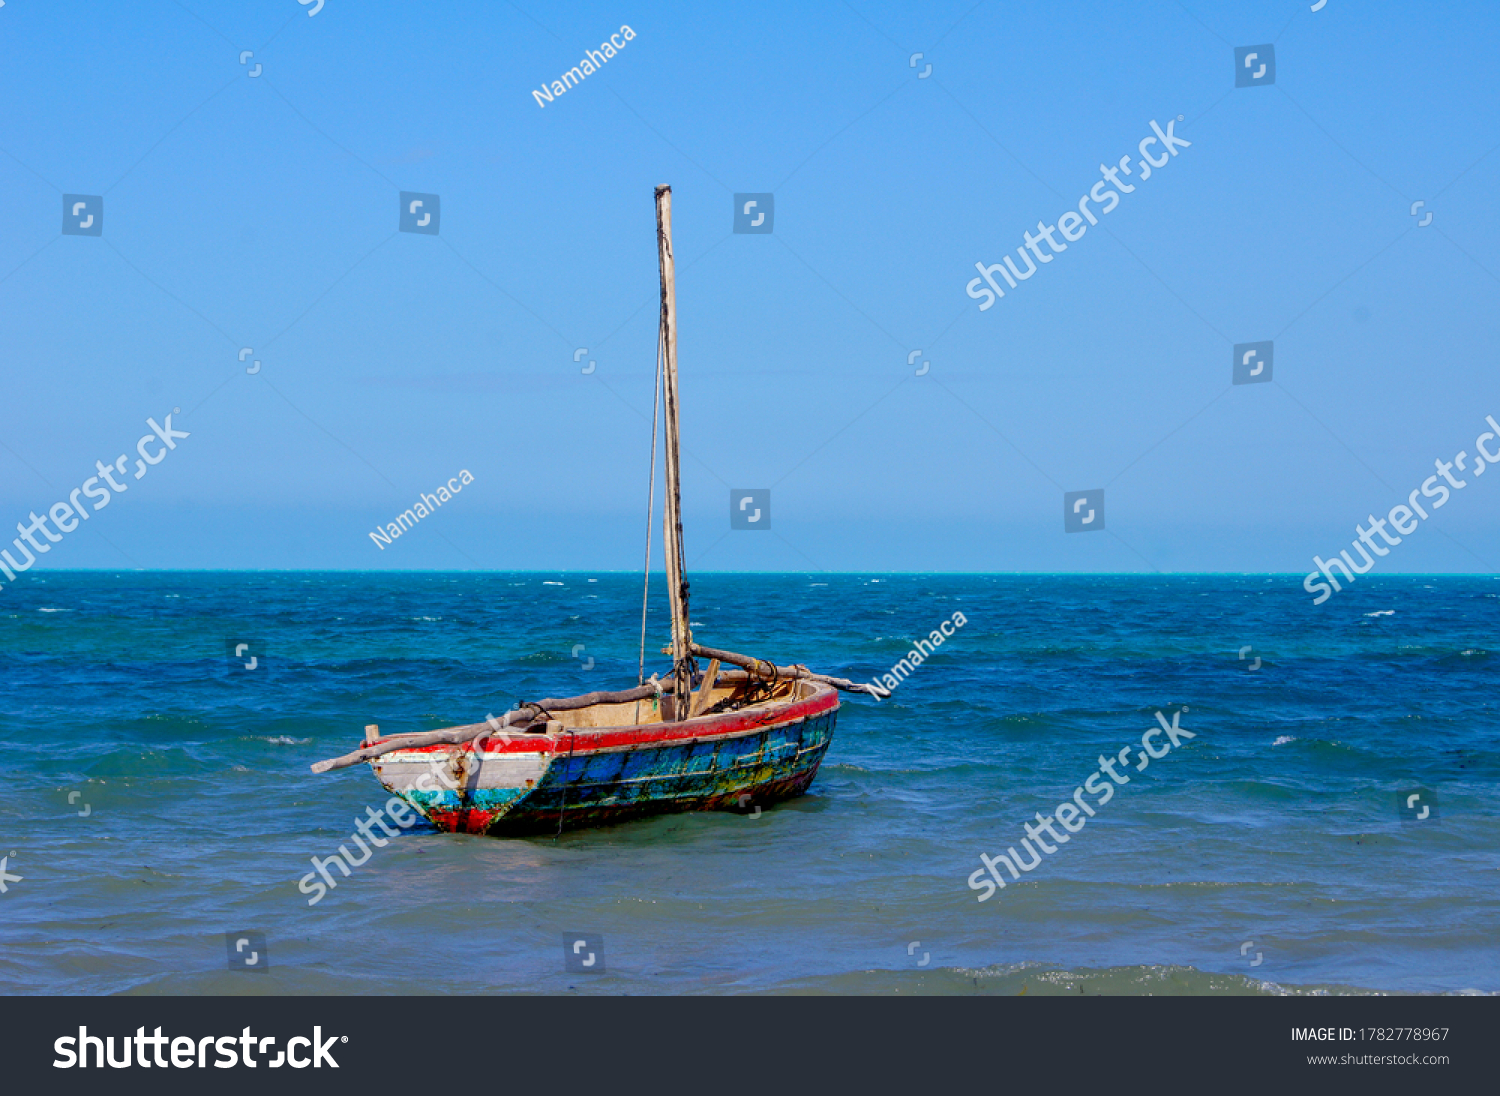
x,y
700,701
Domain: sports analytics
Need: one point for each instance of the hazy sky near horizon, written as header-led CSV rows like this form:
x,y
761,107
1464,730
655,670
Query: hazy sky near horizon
x,y
260,212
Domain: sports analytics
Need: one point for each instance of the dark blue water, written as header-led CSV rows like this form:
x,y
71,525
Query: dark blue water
x,y
156,800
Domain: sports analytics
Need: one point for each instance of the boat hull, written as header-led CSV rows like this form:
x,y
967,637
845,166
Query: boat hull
x,y
572,778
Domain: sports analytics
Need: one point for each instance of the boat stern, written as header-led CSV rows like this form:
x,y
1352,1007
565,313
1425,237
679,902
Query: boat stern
x,y
464,790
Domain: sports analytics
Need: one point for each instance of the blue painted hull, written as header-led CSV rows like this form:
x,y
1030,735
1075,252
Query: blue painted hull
x,y
739,773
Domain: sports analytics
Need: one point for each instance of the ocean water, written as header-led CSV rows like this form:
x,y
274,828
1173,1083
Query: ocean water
x,y
155,799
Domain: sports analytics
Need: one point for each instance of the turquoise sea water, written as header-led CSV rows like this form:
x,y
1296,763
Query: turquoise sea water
x,y
1267,854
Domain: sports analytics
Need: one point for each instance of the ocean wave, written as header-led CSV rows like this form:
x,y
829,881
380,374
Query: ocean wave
x,y
1036,979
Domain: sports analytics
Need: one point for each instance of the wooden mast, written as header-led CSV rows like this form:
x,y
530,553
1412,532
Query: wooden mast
x,y
677,587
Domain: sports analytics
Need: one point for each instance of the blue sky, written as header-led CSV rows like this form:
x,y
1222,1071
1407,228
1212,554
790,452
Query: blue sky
x,y
261,212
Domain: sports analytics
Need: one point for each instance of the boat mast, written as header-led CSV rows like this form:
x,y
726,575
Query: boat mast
x,y
677,586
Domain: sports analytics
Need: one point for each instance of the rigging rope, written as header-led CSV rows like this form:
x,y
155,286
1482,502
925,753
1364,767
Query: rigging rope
x,y
661,352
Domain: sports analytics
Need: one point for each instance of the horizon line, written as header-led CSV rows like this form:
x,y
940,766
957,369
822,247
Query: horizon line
x,y
569,571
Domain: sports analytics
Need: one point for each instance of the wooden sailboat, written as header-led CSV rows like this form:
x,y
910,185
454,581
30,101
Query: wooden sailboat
x,y
699,740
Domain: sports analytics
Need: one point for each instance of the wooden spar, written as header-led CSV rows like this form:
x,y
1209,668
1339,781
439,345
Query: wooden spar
x,y
517,718
677,591
761,667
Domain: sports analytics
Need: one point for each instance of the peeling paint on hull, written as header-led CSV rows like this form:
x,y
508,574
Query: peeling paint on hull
x,y
527,783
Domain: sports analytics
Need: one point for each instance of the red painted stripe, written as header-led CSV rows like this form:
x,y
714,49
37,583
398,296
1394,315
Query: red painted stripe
x,y
725,725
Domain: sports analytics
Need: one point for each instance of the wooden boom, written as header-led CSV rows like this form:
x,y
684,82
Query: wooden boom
x,y
762,668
